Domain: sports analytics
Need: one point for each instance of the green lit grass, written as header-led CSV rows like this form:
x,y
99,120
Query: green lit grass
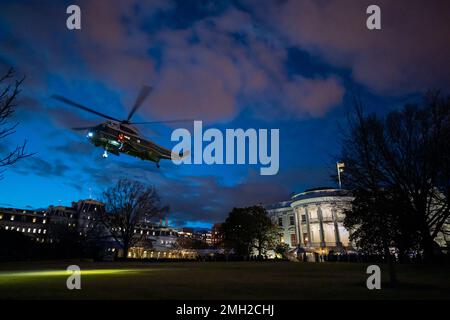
x,y
5,276
216,280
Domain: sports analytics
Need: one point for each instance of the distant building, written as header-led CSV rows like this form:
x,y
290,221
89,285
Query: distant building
x,y
33,223
216,234
82,217
313,220
44,225
203,236
186,232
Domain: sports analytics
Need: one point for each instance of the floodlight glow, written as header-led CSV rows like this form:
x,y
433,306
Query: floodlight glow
x,y
60,273
90,134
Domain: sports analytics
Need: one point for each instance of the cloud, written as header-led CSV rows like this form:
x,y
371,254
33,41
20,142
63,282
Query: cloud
x,y
38,166
210,69
313,96
409,54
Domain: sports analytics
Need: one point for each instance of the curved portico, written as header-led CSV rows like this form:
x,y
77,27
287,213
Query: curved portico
x,y
319,215
314,219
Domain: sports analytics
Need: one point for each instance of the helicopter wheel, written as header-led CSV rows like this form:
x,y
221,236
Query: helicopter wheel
x,y
105,154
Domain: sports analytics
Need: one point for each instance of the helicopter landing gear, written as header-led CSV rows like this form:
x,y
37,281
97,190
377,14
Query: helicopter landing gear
x,y
157,165
105,154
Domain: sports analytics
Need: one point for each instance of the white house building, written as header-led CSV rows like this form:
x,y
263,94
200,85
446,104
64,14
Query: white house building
x,y
313,220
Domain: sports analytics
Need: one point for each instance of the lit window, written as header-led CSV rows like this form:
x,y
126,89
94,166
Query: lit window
x,y
23,229
13,217
45,231
29,230
39,231
1,216
6,228
44,221
34,230
34,220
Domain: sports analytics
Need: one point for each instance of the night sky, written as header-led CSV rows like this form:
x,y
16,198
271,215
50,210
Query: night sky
x,y
292,65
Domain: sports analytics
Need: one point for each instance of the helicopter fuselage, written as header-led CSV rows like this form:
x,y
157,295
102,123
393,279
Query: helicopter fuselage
x,y
121,136
116,138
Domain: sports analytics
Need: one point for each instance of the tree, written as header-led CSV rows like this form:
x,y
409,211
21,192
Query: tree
x,y
282,249
128,206
249,228
265,231
398,169
8,95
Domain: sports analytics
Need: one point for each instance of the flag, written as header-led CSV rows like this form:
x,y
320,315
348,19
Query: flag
x,y
340,167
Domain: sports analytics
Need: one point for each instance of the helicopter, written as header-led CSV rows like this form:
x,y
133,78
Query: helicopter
x,y
122,136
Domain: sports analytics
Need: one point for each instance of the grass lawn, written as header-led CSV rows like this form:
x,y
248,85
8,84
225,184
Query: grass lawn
x,y
217,280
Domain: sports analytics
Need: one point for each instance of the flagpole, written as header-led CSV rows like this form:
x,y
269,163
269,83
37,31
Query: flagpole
x,y
339,175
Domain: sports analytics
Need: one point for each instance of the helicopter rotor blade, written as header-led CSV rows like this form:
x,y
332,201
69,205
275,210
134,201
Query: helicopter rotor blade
x,y
79,106
81,128
143,94
164,121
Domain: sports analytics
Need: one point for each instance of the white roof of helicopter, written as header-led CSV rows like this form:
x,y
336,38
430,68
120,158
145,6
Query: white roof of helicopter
x,y
119,126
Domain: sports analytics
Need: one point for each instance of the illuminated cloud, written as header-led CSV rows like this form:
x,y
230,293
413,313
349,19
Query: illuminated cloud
x,y
409,54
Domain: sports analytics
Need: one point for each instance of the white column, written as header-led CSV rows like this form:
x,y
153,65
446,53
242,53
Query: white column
x,y
336,227
298,227
308,228
321,231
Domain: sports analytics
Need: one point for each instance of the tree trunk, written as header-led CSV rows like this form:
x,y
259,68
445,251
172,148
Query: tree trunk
x,y
126,248
391,266
428,250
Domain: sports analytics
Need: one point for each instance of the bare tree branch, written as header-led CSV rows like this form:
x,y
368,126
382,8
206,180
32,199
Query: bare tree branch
x,y
8,96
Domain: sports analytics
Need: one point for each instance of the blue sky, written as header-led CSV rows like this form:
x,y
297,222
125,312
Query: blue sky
x,y
291,65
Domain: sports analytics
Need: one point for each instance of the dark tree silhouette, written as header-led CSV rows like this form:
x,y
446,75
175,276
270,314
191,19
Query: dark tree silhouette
x,y
398,168
8,96
129,205
249,228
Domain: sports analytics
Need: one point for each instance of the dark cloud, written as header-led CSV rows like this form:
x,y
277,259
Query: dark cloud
x,y
204,70
75,148
409,54
38,166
